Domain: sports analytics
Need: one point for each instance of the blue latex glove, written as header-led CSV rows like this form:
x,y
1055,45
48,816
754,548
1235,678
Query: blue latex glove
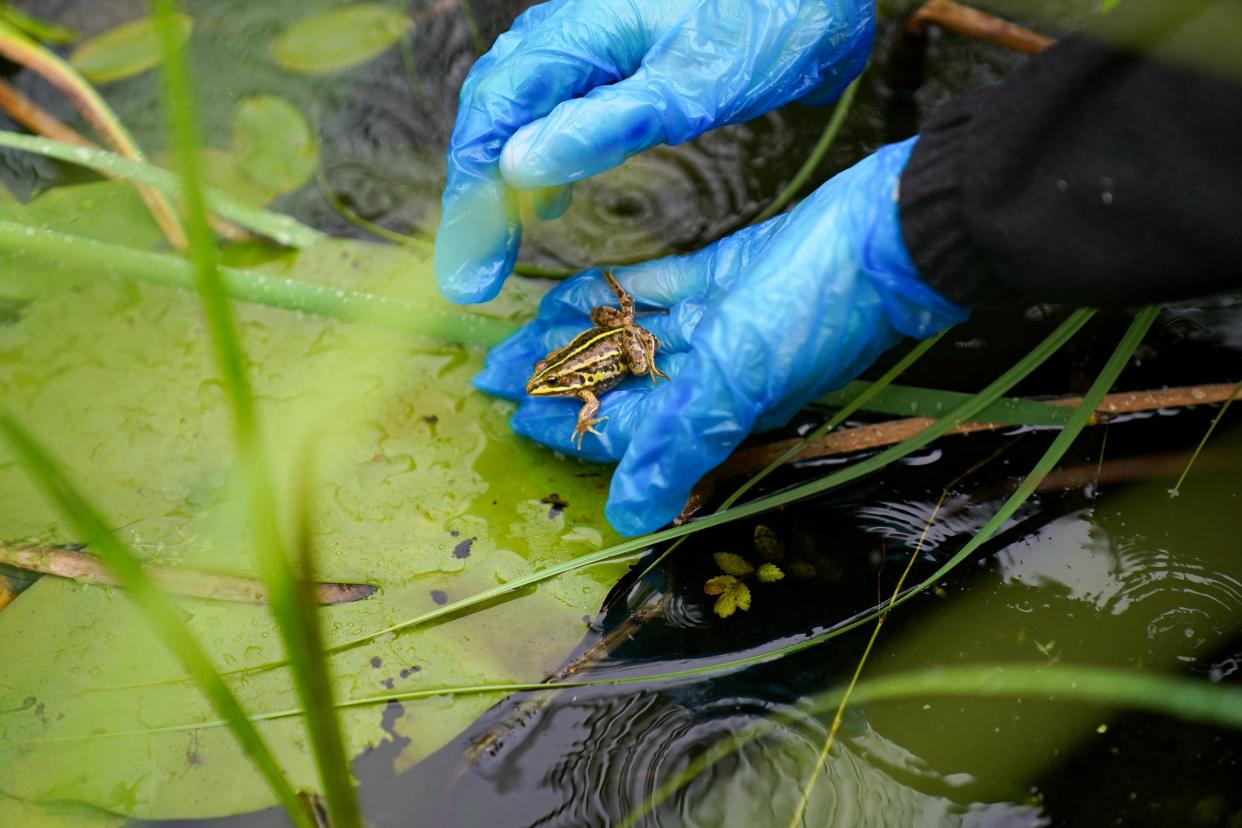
x,y
758,325
578,86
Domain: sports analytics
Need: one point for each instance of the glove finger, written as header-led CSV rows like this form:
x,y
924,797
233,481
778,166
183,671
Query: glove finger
x,y
551,421
587,135
478,239
523,77
552,202
689,83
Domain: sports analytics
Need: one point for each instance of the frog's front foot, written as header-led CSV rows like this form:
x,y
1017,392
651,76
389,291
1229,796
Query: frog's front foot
x,y
586,418
583,426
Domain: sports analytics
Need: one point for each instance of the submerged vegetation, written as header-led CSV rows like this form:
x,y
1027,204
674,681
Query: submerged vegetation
x,y
194,378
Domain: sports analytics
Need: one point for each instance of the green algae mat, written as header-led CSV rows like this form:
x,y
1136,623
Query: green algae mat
x,y
420,490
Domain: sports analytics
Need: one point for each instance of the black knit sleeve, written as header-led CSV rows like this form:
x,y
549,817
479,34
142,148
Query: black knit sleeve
x,y
1105,171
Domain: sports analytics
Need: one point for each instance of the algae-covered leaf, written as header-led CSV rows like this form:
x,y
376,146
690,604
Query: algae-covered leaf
x,y
117,378
274,142
130,49
110,211
339,38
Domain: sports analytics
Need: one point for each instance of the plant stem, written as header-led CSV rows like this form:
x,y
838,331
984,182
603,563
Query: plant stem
x,y
20,49
839,113
889,432
61,562
37,119
74,252
1177,487
284,593
281,228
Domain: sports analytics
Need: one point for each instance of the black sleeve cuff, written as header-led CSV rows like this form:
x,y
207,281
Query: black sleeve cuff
x,y
931,197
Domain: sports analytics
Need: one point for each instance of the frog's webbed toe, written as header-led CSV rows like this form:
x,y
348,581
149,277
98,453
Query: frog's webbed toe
x,y
586,418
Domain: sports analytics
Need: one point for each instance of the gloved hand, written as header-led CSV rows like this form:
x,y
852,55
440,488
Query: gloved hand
x,y
578,86
758,325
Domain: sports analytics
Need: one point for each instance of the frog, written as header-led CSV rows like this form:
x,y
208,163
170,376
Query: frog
x,y
596,360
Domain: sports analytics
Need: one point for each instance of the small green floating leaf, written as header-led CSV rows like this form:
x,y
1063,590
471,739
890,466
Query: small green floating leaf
x,y
337,39
733,564
734,595
719,585
741,596
768,573
129,49
274,142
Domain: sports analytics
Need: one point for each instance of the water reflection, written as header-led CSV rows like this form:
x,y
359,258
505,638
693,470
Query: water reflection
x,y
555,775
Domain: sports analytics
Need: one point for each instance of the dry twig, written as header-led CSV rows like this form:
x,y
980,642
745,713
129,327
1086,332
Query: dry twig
x,y
976,24
863,438
191,583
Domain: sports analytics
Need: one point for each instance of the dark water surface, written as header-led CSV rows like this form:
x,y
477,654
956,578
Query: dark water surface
x,y
1104,570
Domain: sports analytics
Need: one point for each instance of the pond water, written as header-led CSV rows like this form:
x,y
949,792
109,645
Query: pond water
x,y
1103,568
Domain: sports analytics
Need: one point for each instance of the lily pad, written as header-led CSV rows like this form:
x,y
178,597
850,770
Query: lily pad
x,y
339,38
129,49
118,378
274,143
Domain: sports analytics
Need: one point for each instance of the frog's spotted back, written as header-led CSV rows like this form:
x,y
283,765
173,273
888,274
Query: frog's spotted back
x,y
597,359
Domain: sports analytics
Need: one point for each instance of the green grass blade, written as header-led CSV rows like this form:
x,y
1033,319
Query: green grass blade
x,y
911,401
74,252
281,228
274,564
47,31
343,210
321,711
1191,699
165,617
1207,435
839,113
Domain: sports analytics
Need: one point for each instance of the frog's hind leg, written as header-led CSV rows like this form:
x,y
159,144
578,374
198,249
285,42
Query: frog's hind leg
x,y
623,299
586,417
603,316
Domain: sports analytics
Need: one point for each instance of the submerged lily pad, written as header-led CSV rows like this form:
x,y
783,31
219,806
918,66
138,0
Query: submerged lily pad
x,y
118,378
339,38
275,144
130,49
